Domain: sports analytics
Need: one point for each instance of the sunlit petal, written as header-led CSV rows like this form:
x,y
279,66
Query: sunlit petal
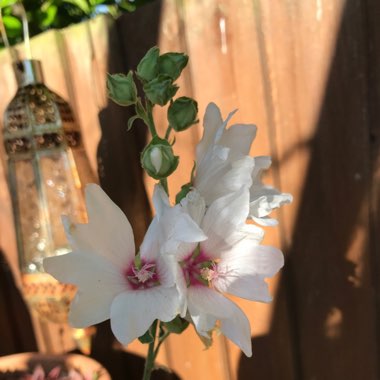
x,y
132,313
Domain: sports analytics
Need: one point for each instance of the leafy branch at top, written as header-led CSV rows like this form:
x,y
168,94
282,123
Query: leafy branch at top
x,y
47,14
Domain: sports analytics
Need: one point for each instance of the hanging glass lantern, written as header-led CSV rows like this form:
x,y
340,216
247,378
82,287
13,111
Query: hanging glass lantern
x,y
43,154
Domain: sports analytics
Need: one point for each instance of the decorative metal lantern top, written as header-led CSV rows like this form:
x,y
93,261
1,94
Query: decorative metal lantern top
x,y
43,151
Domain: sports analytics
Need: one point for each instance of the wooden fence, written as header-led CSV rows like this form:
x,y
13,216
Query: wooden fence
x,y
307,72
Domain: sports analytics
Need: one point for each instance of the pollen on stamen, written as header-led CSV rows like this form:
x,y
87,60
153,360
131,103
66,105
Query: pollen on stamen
x,y
142,277
210,274
145,273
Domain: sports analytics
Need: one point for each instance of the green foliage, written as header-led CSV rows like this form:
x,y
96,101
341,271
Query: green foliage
x,y
46,14
146,338
183,192
177,325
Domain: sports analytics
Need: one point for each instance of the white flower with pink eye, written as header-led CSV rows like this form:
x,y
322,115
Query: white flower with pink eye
x,y
231,260
112,282
224,166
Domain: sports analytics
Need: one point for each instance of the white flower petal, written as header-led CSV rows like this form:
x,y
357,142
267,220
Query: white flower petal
x,y
98,282
160,200
132,313
239,138
206,306
150,247
260,163
194,205
243,270
264,200
264,221
212,120
237,329
223,221
166,269
108,232
178,227
209,301
182,290
184,250
166,234
252,232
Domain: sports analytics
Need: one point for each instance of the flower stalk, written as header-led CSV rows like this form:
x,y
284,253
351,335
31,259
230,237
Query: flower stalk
x,y
151,356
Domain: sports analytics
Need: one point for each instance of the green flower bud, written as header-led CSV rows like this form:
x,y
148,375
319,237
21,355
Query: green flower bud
x,y
147,69
182,113
122,89
158,159
172,64
160,90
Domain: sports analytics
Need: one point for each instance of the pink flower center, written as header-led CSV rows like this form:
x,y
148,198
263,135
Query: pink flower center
x,y
199,269
142,277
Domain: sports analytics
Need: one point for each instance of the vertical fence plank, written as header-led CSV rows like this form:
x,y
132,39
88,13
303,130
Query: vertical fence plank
x,y
225,36
328,266
373,34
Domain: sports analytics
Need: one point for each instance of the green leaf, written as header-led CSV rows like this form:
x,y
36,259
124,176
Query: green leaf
x,y
7,3
122,89
140,109
94,3
172,64
12,25
177,325
160,90
47,16
147,69
183,192
193,171
126,5
162,331
81,4
146,338
131,121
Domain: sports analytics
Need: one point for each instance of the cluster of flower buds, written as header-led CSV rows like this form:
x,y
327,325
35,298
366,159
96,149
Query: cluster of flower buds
x,y
157,75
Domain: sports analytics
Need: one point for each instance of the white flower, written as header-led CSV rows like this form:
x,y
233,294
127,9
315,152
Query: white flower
x,y
229,261
112,282
263,198
224,166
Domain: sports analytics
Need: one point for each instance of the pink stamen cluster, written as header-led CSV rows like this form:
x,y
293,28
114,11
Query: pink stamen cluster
x,y
199,269
142,277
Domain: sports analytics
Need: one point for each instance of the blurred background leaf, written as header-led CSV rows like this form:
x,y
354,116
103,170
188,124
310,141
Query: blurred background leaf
x,y
47,14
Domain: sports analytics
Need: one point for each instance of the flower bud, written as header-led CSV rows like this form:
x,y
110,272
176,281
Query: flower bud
x,y
160,90
122,89
182,113
147,69
172,64
158,159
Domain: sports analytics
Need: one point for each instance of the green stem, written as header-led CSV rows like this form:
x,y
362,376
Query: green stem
x,y
150,121
167,134
160,342
164,184
149,362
